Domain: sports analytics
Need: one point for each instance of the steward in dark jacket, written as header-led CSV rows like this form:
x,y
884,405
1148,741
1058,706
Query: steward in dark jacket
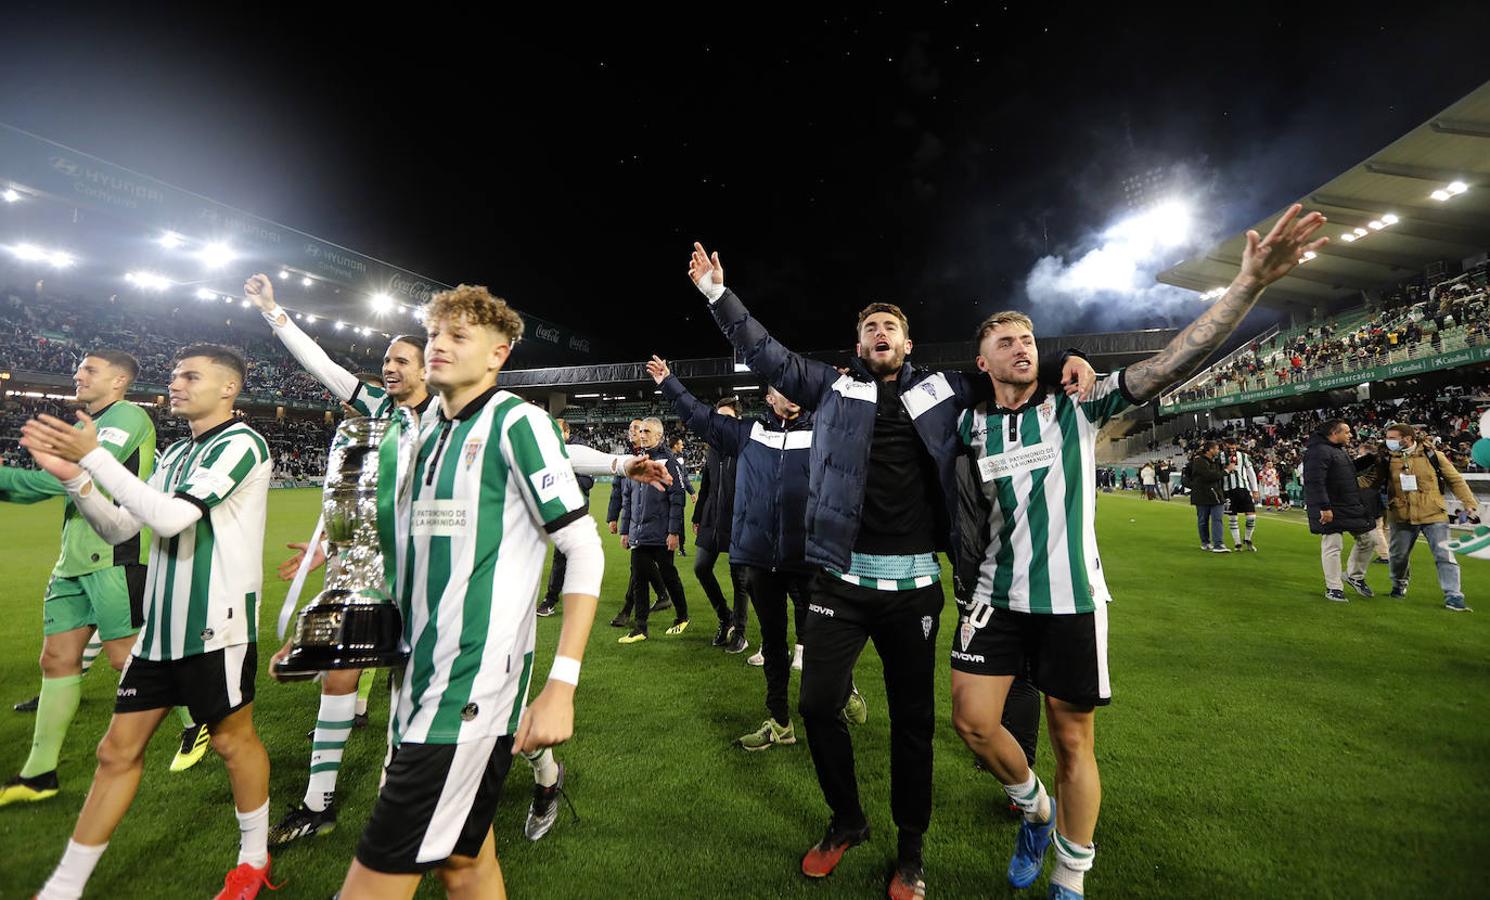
x,y
1205,480
1331,483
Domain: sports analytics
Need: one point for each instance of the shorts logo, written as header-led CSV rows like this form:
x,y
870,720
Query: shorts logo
x,y
469,712
473,447
820,610
207,634
968,657
967,632
926,626
127,692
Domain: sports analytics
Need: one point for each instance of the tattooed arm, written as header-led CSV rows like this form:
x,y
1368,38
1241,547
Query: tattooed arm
x,y
1264,261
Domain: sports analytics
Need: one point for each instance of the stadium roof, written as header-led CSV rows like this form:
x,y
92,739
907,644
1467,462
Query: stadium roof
x,y
1423,199
111,221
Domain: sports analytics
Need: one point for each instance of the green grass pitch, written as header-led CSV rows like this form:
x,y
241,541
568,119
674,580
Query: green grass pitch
x,y
1262,742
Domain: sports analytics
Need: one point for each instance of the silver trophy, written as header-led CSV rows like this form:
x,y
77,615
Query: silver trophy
x,y
352,623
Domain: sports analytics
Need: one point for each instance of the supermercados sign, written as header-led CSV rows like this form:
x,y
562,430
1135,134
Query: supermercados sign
x,y
38,164
1451,360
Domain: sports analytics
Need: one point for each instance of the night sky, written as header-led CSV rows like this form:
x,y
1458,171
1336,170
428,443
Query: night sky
x,y
927,154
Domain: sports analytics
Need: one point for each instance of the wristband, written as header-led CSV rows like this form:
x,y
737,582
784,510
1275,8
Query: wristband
x,y
709,288
565,669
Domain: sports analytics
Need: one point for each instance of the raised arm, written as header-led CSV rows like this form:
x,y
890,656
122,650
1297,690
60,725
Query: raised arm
x,y
727,435
804,380
342,384
1264,261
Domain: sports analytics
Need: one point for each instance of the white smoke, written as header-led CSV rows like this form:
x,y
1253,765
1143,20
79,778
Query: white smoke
x,y
1110,283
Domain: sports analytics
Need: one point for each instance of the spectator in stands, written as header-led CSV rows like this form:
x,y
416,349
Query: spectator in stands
x,y
1332,492
1416,479
1204,477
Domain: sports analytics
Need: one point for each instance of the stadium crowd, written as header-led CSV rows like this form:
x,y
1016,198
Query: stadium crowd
x,y
1453,312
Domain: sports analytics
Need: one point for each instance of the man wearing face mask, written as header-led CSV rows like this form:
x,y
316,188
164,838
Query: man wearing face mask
x,y
882,501
1416,477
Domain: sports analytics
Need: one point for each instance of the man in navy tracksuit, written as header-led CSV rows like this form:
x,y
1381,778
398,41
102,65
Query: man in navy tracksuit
x,y
652,528
769,534
713,520
881,503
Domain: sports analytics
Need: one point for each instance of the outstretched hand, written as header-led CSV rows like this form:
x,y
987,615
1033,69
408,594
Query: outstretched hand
x,y
705,269
646,470
289,567
658,369
1267,259
56,466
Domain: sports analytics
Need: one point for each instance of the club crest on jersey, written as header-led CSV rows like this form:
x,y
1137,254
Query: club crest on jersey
x,y
1047,411
473,447
967,632
926,626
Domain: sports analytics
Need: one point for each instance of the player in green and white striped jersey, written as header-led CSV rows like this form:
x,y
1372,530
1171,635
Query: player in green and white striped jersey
x,y
95,588
475,496
1242,493
206,505
1032,592
344,692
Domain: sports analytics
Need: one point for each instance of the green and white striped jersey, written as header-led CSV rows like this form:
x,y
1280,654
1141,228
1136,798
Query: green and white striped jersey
x,y
1244,477
203,586
471,513
1037,466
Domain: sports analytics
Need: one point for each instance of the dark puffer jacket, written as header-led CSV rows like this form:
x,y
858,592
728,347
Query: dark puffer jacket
x,y
648,515
843,406
714,507
1205,480
771,478
1330,482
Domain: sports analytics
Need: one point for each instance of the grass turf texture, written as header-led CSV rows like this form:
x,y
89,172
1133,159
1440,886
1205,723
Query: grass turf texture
x,y
1262,742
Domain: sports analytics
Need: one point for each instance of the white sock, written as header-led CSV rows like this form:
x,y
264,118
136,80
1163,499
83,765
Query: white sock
x,y
333,724
253,836
1031,798
91,651
545,768
1251,527
1236,535
797,655
71,875
1071,863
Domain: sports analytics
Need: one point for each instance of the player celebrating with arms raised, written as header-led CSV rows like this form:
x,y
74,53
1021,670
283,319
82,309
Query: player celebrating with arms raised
x,y
1038,596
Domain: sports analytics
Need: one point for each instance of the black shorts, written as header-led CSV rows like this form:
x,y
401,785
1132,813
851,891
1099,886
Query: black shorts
x,y
1239,500
437,801
212,686
1064,656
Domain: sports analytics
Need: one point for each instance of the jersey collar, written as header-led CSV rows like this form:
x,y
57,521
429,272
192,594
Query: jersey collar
x,y
102,411
471,408
213,431
1032,403
418,410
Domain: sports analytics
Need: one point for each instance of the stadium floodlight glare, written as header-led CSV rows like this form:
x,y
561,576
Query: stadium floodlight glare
x,y
216,255
1348,237
1457,187
1213,293
1375,225
170,240
310,319
148,281
1390,219
340,325
381,303
59,260
283,274
11,195
205,294
1361,232
587,396
28,252
1309,254
305,282
1440,195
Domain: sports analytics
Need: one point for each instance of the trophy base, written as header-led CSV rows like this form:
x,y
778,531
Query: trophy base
x,y
342,629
